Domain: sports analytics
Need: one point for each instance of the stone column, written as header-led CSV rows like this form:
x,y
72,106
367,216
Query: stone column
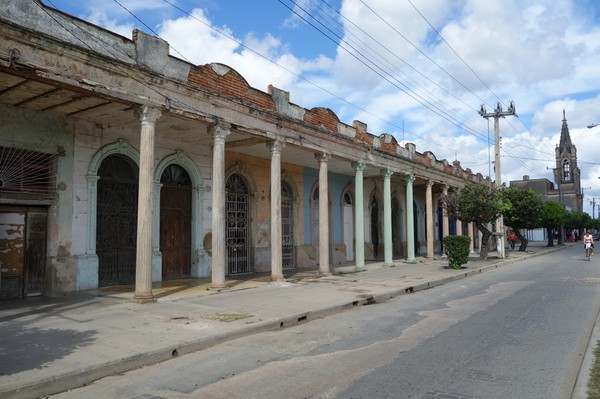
x,y
459,227
387,217
472,236
219,132
143,256
410,223
429,218
276,250
359,215
323,214
446,224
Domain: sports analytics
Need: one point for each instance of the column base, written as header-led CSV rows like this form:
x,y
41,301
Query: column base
x,y
278,278
388,264
145,297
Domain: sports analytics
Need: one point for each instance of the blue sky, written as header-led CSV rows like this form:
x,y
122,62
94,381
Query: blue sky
x,y
417,69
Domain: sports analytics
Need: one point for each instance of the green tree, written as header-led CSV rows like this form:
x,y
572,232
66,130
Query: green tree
x,y
554,215
477,203
522,209
579,221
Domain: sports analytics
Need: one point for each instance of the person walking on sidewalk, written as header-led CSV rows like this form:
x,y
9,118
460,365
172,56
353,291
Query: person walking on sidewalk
x,y
512,237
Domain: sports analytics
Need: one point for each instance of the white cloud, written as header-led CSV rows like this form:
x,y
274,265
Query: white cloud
x,y
543,54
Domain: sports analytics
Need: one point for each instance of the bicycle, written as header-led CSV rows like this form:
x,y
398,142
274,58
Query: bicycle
x,y
588,251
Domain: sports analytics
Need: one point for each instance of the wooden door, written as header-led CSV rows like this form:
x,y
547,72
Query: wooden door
x,y
176,223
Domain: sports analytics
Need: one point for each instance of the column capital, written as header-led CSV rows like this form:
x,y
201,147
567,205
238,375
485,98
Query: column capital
x,y
430,183
445,189
409,179
147,114
220,130
322,156
358,166
276,145
386,173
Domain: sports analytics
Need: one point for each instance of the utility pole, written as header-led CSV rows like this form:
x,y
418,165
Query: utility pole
x,y
593,204
497,114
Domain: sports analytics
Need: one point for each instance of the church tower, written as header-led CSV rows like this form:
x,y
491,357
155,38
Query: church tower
x,y
566,173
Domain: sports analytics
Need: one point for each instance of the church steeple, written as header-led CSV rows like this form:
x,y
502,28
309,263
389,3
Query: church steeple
x,y
565,137
567,174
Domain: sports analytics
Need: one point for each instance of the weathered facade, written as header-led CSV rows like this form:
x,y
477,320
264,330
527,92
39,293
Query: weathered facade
x,y
122,164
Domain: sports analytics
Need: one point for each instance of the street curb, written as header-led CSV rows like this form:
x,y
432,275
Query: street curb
x,y
71,380
583,376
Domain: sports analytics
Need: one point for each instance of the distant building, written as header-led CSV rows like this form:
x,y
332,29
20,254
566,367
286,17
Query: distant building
x,y
566,188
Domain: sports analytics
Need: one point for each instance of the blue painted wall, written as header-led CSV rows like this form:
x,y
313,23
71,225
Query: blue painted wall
x,y
337,184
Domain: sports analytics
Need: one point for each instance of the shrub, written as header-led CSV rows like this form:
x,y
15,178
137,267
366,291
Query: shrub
x,y
457,250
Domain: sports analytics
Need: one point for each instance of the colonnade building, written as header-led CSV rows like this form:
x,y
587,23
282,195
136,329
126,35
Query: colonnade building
x,y
121,164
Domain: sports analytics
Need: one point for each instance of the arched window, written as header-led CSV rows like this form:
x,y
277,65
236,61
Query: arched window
x,y
566,171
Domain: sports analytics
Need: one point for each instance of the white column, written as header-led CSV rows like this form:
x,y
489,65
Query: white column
x,y
323,214
387,217
472,236
276,240
143,255
410,222
429,218
359,215
459,227
219,132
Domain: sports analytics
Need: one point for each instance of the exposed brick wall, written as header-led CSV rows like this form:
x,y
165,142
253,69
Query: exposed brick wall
x,y
231,84
322,117
389,147
365,137
421,159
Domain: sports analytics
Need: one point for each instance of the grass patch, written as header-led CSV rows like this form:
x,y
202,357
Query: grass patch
x,y
228,317
343,273
594,381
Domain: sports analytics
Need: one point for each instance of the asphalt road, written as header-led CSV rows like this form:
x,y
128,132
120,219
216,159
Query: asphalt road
x,y
516,332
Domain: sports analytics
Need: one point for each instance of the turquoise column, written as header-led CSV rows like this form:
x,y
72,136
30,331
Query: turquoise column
x,y
387,217
410,224
359,227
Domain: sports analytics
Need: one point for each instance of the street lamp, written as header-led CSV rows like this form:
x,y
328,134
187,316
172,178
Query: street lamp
x,y
593,125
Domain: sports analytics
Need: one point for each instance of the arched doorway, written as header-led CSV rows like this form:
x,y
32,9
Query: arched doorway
x,y
116,220
316,220
416,227
287,226
440,229
396,228
375,227
348,220
175,222
237,236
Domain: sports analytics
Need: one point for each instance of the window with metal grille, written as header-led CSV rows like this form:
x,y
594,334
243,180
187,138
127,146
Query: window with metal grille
x,y
26,172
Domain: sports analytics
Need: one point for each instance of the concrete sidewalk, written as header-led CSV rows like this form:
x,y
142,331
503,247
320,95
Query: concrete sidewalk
x,y
51,345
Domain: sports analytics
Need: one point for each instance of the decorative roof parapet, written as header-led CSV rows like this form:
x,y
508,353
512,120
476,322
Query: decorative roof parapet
x,y
151,54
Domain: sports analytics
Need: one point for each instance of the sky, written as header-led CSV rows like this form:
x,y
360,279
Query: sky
x,y
417,69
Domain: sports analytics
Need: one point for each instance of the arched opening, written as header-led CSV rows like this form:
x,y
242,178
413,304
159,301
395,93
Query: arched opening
x,y
238,225
348,224
416,227
116,225
287,226
175,222
396,228
566,170
375,227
